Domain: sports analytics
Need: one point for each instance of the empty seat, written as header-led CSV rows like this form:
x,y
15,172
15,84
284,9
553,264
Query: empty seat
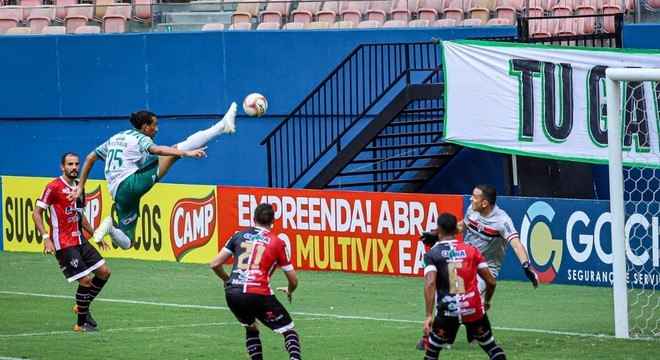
x,y
41,17
405,10
142,11
507,9
444,23
101,7
543,28
653,4
28,6
116,17
455,11
268,25
432,10
315,25
275,11
394,23
10,16
343,24
63,7
563,8
213,26
481,9
368,24
245,12
77,16
608,21
241,26
419,23
571,26
294,25
306,12
378,10
331,10
355,11
88,29
471,22
19,31
498,22
54,30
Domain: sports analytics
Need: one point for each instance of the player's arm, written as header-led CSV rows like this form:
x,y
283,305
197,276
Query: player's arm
x,y
292,278
171,151
90,230
430,277
524,260
489,279
460,227
38,218
84,175
217,264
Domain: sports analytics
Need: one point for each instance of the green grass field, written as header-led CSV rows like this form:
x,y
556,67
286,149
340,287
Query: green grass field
x,y
164,310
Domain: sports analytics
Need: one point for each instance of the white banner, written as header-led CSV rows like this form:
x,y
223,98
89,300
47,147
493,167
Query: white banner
x,y
546,101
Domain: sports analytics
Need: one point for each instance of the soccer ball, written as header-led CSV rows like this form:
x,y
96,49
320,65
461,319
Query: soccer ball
x,y
255,105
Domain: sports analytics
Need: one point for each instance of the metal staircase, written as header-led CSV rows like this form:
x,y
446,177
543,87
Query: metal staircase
x,y
374,123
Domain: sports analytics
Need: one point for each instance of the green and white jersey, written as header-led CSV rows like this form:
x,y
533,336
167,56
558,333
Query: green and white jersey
x,y
124,154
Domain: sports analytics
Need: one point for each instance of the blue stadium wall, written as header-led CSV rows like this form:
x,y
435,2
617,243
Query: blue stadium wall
x,y
69,93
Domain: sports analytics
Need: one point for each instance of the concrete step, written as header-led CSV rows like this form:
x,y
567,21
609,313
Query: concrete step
x,y
179,26
198,17
212,5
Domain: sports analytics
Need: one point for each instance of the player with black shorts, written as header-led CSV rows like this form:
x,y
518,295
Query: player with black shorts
x,y
450,272
257,252
76,257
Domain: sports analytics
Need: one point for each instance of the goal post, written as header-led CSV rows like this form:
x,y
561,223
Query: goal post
x,y
616,111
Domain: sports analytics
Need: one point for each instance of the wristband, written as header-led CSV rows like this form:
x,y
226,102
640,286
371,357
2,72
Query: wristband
x,y
45,236
525,264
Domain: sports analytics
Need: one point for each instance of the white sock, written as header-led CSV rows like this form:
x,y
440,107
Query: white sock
x,y
200,138
119,238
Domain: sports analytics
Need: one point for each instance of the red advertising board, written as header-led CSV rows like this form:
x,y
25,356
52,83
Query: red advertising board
x,y
360,232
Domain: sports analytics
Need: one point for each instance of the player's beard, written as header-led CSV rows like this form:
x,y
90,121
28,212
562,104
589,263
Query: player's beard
x,y
73,174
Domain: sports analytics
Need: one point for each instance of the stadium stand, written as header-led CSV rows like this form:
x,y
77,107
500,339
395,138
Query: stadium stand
x,y
455,11
78,15
481,9
394,23
101,7
268,25
19,31
306,12
55,29
28,6
355,11
405,10
471,22
294,25
508,9
419,23
331,10
142,11
318,25
63,7
41,17
432,10
10,16
213,27
275,12
343,24
88,29
116,18
498,22
245,12
444,23
241,26
379,11
368,24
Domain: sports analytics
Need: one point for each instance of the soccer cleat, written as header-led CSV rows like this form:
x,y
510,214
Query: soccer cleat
x,y
90,320
103,229
228,120
85,328
423,343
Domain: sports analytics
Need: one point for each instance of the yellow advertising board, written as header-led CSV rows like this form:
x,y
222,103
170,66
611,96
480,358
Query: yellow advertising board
x,y
176,222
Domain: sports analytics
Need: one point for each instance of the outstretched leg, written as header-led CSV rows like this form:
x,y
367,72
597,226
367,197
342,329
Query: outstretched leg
x,y
200,139
292,344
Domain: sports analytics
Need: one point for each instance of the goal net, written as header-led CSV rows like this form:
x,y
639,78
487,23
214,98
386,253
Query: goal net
x,y
633,96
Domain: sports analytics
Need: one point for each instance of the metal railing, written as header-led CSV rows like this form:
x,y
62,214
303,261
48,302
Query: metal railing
x,y
348,94
600,37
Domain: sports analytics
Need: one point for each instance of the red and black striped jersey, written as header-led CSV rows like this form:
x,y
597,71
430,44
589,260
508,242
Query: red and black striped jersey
x,y
65,215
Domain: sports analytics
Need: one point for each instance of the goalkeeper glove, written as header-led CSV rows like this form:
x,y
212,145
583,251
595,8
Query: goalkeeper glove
x,y
429,238
531,275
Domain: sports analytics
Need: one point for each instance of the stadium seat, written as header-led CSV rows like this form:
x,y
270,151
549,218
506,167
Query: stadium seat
x,y
432,10
653,4
317,25
394,24
455,11
563,8
355,11
213,27
306,12
241,26
294,25
142,11
481,9
571,27
498,22
471,22
77,16
41,17
245,12
506,9
330,11
275,11
343,24
419,23
268,25
28,6
19,31
54,30
608,21
444,23
116,18
88,29
63,7
543,28
379,11
368,24
405,10
101,7
10,16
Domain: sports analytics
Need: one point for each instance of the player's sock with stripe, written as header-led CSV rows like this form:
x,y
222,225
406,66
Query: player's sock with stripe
x,y
253,344
82,300
494,351
433,350
97,286
292,344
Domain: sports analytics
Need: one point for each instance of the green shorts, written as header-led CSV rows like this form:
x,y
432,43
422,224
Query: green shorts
x,y
129,192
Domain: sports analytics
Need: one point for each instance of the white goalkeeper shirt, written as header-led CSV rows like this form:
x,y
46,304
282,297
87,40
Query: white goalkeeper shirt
x,y
124,153
490,234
